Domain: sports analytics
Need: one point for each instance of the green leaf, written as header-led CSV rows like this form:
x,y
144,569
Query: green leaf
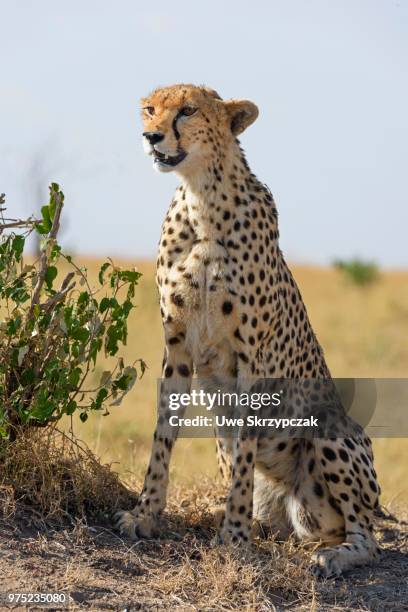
x,y
55,252
81,334
74,377
83,416
46,219
71,407
36,311
18,246
102,271
13,325
52,207
111,340
127,380
124,383
83,298
40,228
102,395
104,305
131,276
50,276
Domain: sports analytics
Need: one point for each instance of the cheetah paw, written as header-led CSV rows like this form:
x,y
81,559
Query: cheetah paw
x,y
218,515
230,537
135,526
325,564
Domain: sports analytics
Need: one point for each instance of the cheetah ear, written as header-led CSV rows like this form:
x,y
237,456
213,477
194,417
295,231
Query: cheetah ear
x,y
242,113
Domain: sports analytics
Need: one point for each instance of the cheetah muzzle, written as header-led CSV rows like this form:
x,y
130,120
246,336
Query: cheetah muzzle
x,y
168,160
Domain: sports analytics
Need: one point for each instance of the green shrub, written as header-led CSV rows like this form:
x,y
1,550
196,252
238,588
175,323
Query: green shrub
x,y
52,332
359,272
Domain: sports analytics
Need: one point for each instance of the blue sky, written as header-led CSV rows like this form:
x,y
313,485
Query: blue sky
x,y
331,141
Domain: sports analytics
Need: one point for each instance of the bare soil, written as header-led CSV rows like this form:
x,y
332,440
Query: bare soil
x,y
182,571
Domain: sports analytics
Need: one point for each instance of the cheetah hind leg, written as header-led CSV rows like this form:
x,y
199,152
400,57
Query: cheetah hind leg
x,y
355,495
270,517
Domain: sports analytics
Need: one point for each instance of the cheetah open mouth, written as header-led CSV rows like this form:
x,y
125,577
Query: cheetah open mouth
x,y
168,160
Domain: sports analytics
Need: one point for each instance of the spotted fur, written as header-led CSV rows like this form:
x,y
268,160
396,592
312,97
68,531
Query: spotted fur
x,y
230,307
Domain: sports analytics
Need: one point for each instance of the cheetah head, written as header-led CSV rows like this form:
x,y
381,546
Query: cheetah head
x,y
185,127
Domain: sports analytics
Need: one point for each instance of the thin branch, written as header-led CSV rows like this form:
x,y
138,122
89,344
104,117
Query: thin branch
x,y
10,223
65,288
44,257
14,223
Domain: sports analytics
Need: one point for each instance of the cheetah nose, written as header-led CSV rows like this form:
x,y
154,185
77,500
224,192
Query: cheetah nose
x,y
153,137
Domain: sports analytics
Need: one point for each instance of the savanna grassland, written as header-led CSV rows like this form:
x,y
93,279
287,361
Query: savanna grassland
x,y
363,330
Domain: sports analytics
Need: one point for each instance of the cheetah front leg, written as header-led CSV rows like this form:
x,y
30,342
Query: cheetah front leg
x,y
142,520
237,524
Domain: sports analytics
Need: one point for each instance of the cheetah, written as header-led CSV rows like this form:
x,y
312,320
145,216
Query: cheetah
x,y
231,307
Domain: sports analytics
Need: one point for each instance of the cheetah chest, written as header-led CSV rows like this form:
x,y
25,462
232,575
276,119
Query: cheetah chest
x,y
200,300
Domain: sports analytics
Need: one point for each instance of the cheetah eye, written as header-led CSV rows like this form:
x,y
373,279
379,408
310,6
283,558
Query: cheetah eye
x,y
187,111
149,110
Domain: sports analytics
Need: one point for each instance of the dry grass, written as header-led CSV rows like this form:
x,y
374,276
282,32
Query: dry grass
x,y
182,571
49,479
